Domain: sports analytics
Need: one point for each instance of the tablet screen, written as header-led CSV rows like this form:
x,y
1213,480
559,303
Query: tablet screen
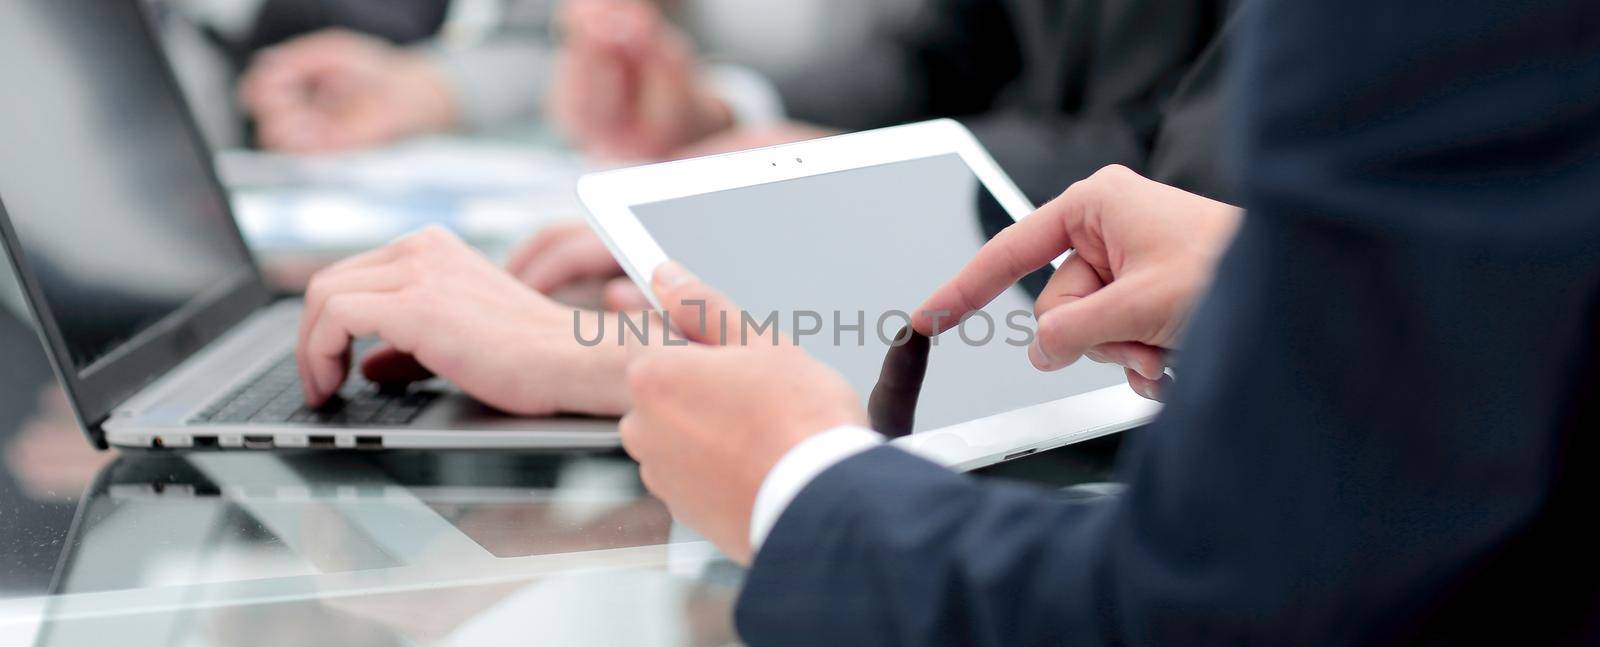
x,y
836,261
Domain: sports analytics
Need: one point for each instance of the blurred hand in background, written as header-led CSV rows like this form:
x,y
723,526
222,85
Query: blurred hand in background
x,y
739,139
567,254
336,90
627,84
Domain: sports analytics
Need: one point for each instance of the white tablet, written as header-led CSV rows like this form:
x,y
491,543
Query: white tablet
x,y
834,241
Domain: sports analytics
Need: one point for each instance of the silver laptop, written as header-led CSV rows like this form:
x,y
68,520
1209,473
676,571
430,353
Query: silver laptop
x,y
153,311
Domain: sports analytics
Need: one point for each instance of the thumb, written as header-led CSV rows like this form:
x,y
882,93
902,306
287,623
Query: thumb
x,y
702,314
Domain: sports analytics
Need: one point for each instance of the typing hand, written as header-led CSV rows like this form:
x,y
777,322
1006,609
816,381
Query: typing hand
x,y
1144,252
566,254
626,83
336,90
442,308
711,418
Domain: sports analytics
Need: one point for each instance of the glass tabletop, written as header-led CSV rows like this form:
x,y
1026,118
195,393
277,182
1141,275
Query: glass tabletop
x,y
348,547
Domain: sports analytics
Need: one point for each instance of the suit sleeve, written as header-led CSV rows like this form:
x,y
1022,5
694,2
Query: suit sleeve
x,y
1384,427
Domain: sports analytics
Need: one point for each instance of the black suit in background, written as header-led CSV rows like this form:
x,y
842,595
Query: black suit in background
x,y
1385,430
398,21
1055,89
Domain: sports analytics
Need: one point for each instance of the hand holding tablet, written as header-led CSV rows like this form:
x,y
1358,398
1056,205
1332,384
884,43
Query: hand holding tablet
x,y
832,241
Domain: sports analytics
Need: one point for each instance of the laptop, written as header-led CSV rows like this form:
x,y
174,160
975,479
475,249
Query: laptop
x,y
150,305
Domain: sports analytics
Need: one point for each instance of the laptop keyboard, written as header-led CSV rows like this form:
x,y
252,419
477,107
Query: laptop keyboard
x,y
274,397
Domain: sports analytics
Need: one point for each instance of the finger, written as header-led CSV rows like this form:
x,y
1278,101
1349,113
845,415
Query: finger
x,y
632,47
1015,252
267,85
326,285
293,132
1118,312
1146,388
589,91
1144,359
402,246
597,64
582,19
623,295
292,66
542,240
629,431
386,364
628,26
264,91
700,312
573,259
664,93
325,355
364,130
410,244
1075,279
328,47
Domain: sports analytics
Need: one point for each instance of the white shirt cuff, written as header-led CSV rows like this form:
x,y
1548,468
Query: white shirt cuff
x,y
795,470
752,98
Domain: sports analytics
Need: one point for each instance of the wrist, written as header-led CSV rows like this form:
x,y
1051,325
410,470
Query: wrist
x,y
592,369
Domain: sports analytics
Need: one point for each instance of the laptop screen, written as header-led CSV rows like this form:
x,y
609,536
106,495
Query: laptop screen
x,y
102,176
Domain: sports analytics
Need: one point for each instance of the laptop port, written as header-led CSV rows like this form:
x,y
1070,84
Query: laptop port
x,y
205,441
258,442
1020,454
369,442
320,442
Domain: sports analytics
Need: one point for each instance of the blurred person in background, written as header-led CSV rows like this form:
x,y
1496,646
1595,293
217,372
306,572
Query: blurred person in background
x,y
346,88
1054,89
337,89
209,42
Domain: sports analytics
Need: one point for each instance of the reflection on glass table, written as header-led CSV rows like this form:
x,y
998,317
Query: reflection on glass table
x,y
354,548
256,548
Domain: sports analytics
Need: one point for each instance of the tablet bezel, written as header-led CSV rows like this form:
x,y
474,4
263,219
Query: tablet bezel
x,y
609,197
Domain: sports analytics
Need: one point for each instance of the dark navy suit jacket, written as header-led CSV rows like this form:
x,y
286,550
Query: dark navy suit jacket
x,y
1055,89
1386,425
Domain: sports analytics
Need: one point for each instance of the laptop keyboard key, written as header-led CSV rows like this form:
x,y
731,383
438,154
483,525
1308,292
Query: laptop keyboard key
x,y
274,397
